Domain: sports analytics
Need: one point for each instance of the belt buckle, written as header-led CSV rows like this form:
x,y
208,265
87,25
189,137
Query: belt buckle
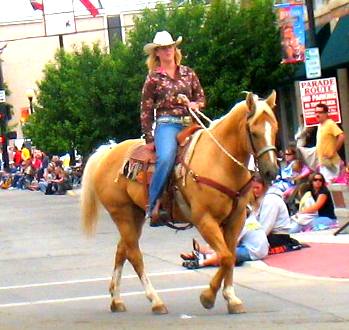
x,y
187,120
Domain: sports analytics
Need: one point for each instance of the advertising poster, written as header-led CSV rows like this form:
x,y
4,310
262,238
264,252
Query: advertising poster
x,y
291,22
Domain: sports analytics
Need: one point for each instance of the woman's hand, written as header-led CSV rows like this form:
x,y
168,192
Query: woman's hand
x,y
193,106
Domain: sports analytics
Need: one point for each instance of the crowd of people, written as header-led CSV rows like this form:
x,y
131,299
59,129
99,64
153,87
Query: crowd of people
x,y
33,169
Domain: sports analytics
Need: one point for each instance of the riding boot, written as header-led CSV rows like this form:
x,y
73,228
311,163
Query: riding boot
x,y
156,216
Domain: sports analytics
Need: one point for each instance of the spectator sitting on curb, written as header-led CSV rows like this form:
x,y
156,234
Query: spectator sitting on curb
x,y
318,210
252,245
60,184
272,213
47,177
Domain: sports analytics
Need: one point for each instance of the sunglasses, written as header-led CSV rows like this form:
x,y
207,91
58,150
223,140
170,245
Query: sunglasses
x,y
318,179
320,112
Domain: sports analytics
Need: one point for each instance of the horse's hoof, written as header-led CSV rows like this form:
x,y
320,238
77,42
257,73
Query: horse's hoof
x,y
117,307
207,299
160,310
236,309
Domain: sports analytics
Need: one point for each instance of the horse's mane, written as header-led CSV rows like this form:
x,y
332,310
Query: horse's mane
x,y
261,107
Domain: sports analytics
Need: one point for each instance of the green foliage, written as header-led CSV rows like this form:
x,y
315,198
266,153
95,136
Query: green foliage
x,y
88,96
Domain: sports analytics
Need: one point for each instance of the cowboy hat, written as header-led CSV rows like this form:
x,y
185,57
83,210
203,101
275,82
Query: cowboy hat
x,y
162,38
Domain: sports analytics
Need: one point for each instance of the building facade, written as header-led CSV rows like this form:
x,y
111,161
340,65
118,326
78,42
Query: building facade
x,y
331,18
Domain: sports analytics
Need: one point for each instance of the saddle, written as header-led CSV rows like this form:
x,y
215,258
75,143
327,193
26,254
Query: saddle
x,y
142,159
141,165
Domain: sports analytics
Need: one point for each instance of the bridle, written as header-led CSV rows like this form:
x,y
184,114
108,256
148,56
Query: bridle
x,y
257,154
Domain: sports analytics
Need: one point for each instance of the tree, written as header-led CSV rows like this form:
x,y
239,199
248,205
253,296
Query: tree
x,y
88,96
80,102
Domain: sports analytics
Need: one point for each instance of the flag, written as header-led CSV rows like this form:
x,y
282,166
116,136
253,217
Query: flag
x,y
37,4
90,7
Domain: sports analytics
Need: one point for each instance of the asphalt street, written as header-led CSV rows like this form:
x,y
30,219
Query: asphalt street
x,y
52,277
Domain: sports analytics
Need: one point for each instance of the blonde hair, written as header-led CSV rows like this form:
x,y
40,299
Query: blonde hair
x,y
153,62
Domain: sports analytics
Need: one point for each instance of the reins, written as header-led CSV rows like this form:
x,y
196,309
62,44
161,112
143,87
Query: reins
x,y
194,114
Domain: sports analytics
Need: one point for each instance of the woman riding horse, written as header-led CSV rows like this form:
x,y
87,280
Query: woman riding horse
x,y
166,79
217,202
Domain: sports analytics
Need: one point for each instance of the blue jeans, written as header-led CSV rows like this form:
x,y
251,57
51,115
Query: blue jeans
x,y
166,149
242,254
320,223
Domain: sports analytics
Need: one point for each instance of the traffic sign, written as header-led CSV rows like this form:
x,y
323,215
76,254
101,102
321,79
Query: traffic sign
x,y
312,63
2,96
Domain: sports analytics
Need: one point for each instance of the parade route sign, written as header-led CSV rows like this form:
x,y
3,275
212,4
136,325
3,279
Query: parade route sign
x,y
319,91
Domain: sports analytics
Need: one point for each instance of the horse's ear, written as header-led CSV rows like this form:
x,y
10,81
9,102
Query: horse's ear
x,y
250,104
271,100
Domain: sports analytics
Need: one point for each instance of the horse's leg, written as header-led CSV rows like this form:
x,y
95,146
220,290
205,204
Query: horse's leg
x,y
130,224
117,305
211,232
231,234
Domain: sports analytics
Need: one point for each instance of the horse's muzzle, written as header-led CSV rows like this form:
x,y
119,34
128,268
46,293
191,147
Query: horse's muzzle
x,y
269,174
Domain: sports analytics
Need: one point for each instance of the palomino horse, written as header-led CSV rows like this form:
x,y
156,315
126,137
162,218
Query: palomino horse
x,y
217,211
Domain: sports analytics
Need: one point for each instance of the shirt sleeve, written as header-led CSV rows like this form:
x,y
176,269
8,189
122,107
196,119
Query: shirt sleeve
x,y
335,130
198,92
147,108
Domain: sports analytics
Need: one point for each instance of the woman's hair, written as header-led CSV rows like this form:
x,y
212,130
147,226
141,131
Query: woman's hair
x,y
291,150
258,178
297,165
312,176
153,61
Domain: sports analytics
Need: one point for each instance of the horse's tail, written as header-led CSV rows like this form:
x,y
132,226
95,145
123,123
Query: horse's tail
x,y
89,200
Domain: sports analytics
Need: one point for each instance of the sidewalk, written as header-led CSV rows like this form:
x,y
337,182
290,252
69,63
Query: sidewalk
x,y
327,258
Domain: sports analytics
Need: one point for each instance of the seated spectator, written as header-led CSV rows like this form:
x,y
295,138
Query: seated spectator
x,y
252,245
25,153
285,180
23,178
60,184
47,177
17,157
301,174
272,213
37,161
270,210
319,212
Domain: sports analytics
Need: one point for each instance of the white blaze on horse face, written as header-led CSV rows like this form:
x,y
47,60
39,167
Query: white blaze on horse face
x,y
267,136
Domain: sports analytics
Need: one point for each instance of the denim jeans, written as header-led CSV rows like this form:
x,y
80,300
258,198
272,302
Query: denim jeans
x,y
242,254
166,148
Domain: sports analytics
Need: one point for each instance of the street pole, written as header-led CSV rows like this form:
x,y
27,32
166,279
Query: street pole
x,y
3,123
311,22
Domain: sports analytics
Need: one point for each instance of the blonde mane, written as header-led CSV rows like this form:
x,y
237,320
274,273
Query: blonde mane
x,y
261,107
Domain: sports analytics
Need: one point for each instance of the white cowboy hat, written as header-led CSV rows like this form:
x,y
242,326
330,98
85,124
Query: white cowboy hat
x,y
162,38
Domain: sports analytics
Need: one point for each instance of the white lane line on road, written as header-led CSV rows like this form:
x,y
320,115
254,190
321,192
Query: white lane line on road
x,y
98,279
104,296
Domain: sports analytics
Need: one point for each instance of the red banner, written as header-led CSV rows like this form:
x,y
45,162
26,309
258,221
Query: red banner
x,y
90,7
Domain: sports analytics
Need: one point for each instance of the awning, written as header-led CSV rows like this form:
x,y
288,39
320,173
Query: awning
x,y
336,52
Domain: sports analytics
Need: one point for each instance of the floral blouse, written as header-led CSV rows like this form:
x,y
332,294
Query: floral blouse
x,y
160,93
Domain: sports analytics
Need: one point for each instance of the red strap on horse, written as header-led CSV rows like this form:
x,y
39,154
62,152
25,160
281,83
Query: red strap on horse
x,y
211,183
225,190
